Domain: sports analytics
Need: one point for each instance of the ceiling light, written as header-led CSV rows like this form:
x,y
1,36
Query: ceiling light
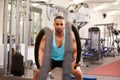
x,y
112,12
35,4
78,1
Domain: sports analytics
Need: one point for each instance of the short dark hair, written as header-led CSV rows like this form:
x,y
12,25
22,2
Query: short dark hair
x,y
59,17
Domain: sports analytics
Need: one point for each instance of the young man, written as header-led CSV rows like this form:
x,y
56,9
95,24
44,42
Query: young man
x,y
58,44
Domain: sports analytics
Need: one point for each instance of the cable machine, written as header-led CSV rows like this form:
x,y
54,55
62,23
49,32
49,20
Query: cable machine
x,y
94,35
108,47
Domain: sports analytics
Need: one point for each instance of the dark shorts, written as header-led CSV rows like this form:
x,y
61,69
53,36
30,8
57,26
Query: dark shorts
x,y
56,64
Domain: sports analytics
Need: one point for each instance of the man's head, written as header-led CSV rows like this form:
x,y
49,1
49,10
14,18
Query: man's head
x,y
59,24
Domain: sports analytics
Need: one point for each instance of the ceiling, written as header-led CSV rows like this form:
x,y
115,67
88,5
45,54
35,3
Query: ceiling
x,y
104,6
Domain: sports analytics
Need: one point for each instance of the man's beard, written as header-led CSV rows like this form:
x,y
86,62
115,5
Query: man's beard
x,y
59,31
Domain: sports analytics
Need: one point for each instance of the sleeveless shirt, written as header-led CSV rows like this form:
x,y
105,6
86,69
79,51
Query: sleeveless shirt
x,y
57,53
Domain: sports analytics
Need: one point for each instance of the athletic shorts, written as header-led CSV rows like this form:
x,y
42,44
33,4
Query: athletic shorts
x,y
56,64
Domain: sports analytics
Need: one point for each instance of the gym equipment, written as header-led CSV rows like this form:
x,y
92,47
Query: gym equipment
x,y
110,41
37,42
78,43
72,77
68,44
103,49
117,40
17,68
109,46
85,77
93,45
89,78
118,45
94,35
29,67
68,50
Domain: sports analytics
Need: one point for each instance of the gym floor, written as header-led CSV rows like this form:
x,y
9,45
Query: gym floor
x,y
57,72
104,61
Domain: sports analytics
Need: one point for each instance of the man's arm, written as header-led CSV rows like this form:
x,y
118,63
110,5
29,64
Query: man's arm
x,y
40,56
75,72
74,46
41,50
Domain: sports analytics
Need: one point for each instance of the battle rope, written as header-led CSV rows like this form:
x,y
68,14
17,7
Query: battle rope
x,y
68,53
78,43
47,52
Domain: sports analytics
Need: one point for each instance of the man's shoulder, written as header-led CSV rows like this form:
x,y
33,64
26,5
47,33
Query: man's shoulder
x,y
52,30
73,35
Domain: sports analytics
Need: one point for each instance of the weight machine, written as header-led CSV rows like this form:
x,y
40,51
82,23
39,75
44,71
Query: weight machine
x,y
108,48
93,44
94,35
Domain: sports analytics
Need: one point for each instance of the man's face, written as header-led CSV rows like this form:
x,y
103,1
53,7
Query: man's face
x,y
59,25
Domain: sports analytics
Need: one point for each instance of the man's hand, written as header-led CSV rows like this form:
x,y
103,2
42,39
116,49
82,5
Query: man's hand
x,y
76,71
37,73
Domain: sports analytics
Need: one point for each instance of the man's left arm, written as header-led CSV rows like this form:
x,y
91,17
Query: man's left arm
x,y
74,46
77,73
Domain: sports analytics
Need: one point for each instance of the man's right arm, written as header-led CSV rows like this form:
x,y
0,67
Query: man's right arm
x,y
41,50
40,57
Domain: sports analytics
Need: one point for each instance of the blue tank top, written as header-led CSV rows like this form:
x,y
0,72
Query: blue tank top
x,y
57,53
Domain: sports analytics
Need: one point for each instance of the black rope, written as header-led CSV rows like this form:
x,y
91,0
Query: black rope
x,y
78,43
37,44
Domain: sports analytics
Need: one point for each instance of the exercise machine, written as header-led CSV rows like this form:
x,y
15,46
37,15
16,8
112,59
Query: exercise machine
x,y
93,45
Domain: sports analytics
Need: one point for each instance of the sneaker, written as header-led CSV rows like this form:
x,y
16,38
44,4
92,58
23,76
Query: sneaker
x,y
51,77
